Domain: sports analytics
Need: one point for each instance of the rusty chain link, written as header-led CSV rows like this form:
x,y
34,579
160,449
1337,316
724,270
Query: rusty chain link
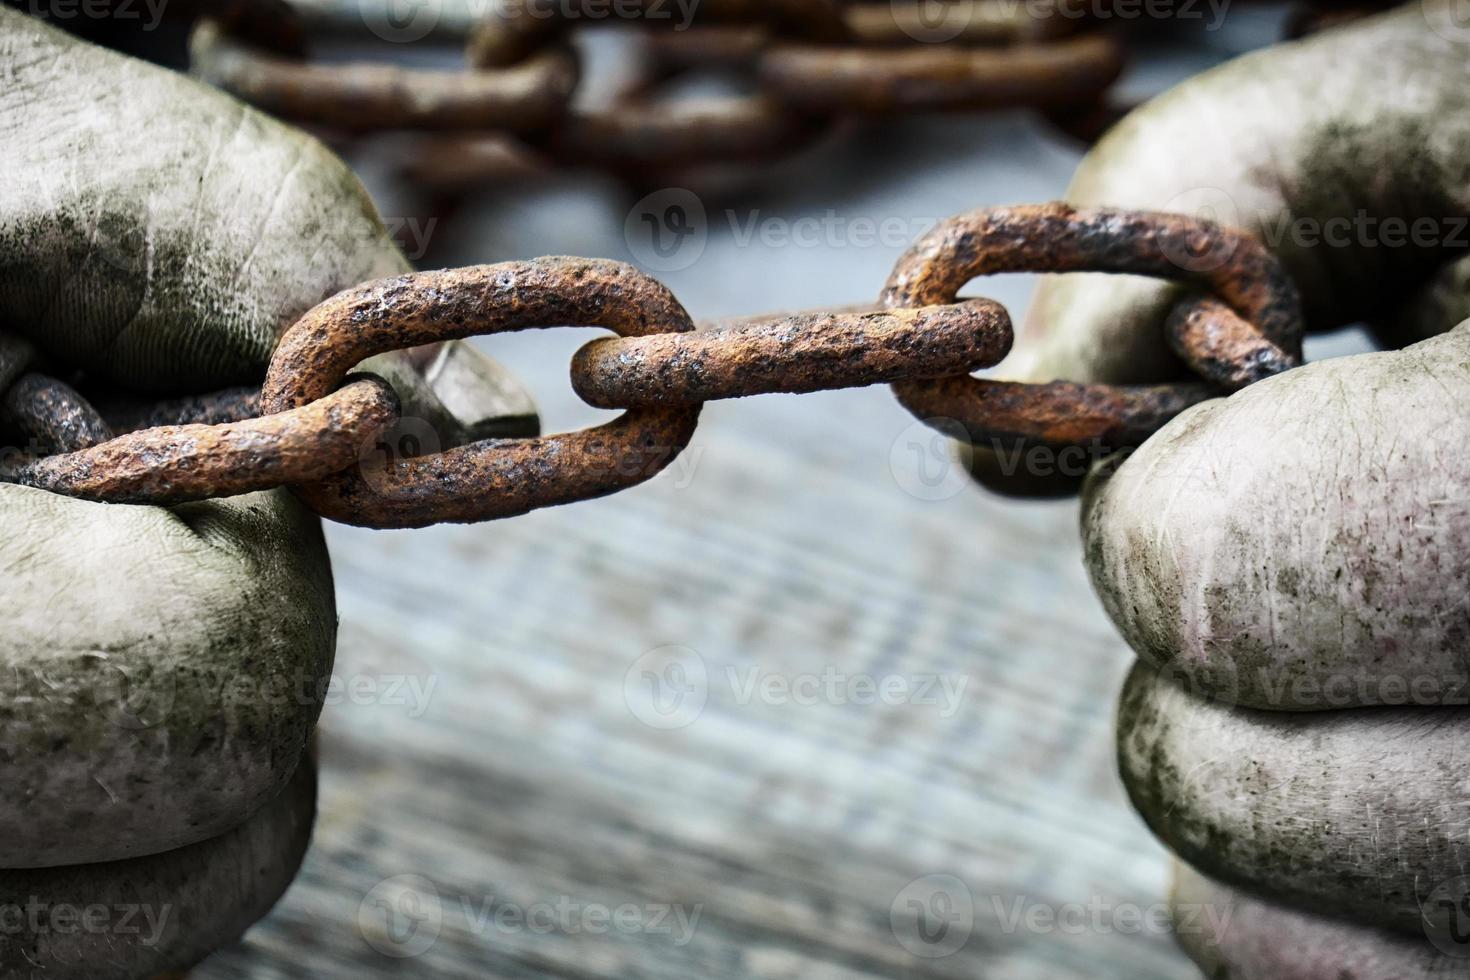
x,y
805,65
1236,321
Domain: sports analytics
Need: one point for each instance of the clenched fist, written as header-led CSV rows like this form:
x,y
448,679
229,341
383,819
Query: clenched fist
x,y
1292,563
160,669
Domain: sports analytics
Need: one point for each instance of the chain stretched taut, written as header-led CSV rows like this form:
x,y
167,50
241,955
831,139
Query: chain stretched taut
x,y
1237,321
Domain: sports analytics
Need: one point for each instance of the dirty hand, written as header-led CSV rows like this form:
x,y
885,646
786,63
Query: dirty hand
x,y
163,667
1297,550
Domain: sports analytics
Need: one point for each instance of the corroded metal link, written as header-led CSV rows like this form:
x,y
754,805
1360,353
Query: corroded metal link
x,y
16,357
527,96
969,22
940,77
176,464
1259,323
1257,334
997,414
1222,346
662,134
229,405
495,478
811,351
516,28
54,414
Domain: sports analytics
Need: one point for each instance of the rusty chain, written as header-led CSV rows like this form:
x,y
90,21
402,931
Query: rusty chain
x,y
1237,321
804,66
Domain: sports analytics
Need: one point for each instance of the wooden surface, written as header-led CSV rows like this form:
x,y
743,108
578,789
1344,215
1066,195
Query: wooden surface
x,y
794,541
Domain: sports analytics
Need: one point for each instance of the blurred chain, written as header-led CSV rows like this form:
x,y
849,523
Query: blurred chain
x,y
1237,321
804,64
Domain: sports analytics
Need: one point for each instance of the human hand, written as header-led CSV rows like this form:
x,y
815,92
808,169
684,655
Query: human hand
x,y
164,668
1298,547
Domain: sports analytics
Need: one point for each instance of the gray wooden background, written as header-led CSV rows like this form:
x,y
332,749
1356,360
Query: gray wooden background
x,y
630,738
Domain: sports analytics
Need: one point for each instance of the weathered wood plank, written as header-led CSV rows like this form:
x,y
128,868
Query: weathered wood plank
x,y
787,547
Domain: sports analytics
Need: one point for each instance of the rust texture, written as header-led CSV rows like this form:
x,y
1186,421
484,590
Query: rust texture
x,y
966,22
1219,344
229,405
176,464
517,28
494,478
665,133
810,351
806,67
1248,329
938,76
53,414
999,414
1259,321
527,96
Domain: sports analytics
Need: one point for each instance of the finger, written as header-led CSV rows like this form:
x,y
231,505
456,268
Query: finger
x,y
161,670
1237,934
1303,536
172,909
1357,814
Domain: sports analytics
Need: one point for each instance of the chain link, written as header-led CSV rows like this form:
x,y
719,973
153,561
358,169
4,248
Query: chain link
x,y
1237,320
807,63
